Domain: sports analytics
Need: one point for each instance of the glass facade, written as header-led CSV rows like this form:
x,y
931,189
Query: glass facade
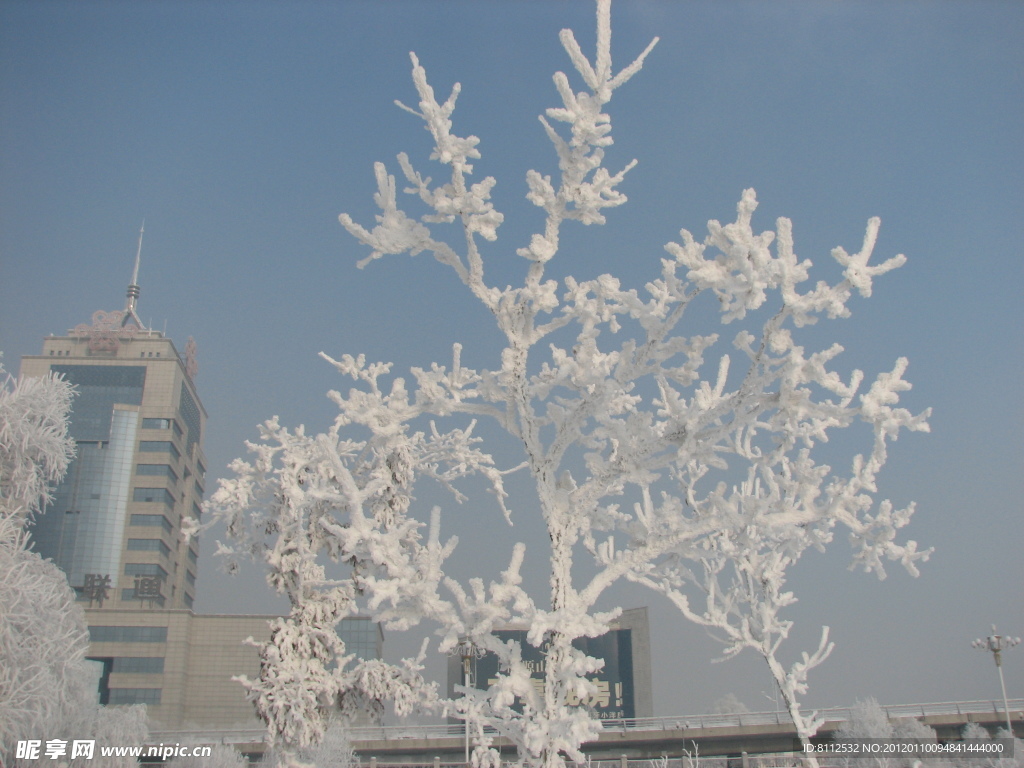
x,y
83,529
99,388
190,415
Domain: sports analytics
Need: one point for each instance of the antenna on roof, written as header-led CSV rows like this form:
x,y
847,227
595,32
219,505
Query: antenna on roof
x,y
133,287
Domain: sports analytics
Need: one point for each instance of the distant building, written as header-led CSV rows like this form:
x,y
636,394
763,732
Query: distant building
x,y
114,526
181,664
623,684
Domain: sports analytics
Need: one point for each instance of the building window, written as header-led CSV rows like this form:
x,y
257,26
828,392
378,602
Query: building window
x,y
100,634
192,556
159,446
149,545
188,601
156,423
190,577
157,495
144,569
135,696
153,520
139,665
157,470
197,510
128,593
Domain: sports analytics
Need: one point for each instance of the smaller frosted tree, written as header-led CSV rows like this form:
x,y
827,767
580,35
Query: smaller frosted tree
x,y
868,720
336,496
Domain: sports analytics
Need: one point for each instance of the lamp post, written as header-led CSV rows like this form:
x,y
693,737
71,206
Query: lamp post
x,y
467,650
997,644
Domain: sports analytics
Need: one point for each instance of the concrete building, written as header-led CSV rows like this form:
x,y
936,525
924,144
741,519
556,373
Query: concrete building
x,y
115,524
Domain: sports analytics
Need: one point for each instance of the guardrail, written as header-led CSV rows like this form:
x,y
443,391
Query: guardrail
x,y
640,724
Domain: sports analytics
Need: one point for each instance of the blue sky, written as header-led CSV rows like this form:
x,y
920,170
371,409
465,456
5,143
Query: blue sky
x,y
240,131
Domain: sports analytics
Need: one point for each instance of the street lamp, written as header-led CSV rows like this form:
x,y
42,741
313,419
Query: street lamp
x,y
997,644
467,650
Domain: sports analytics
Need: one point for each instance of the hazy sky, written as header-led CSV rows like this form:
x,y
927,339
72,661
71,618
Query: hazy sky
x,y
240,130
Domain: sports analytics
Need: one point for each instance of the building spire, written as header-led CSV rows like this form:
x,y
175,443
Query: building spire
x,y
133,287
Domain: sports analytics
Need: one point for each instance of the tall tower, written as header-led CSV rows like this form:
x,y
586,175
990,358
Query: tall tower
x,y
139,471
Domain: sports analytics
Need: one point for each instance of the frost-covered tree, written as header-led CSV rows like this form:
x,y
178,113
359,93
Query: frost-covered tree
x,y
42,637
868,720
35,447
333,751
46,684
655,457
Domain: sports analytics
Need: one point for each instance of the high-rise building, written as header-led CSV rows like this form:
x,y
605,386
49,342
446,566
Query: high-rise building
x,y
139,469
114,526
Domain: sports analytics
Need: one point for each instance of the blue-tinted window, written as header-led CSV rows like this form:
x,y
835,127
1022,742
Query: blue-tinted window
x,y
129,594
138,665
190,415
159,446
134,696
188,600
157,495
157,470
192,556
153,520
99,388
362,637
100,634
197,510
144,569
149,545
190,578
156,423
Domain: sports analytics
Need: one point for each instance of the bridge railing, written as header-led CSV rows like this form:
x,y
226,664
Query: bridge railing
x,y
701,722
640,724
